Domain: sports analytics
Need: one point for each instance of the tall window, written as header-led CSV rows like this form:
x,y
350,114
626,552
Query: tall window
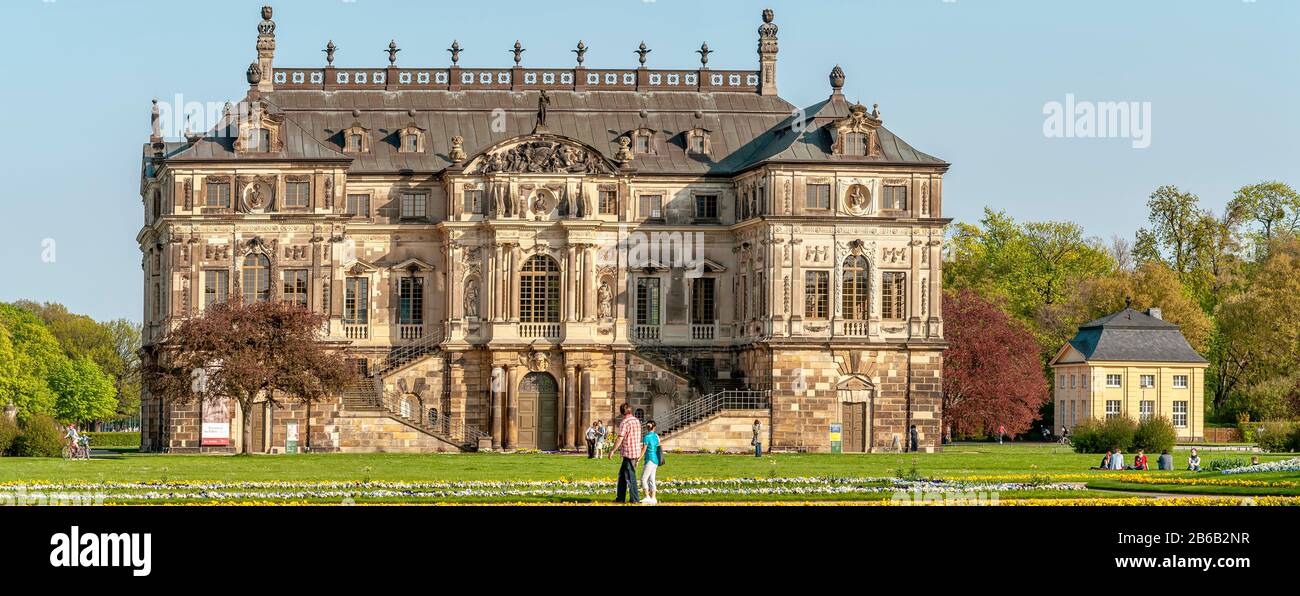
x,y
702,304
413,205
216,286
474,201
1112,408
1084,380
855,143
1113,380
760,279
895,198
817,294
356,301
297,194
539,290
1147,381
257,278
1072,418
706,206
218,194
354,142
856,291
608,202
893,295
642,143
817,196
652,206
1180,414
1180,381
697,143
359,205
1072,381
411,292
295,287
1146,409
647,301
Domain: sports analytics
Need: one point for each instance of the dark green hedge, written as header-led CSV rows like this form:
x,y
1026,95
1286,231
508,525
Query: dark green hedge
x,y
105,440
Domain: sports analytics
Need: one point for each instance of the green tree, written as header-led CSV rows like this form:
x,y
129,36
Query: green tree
x,y
36,354
1272,209
1259,329
84,392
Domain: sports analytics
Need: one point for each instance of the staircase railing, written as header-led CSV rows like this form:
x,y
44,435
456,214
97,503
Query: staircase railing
x,y
418,413
426,344
707,405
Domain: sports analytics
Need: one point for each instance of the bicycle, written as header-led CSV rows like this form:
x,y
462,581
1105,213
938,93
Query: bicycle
x,y
80,450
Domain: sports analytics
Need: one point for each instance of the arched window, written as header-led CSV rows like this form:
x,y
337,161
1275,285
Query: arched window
x,y
856,288
257,278
539,290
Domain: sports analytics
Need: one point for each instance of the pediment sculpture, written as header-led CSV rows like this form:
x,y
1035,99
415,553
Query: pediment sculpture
x,y
542,157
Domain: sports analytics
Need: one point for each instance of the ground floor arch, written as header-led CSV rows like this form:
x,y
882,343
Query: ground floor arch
x,y
539,397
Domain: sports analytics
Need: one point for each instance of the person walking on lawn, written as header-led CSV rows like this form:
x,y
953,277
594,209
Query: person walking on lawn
x,y
591,440
628,445
1002,432
650,450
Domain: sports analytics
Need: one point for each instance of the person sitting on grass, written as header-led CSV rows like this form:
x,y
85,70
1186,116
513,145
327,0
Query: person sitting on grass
x,y
1165,461
1194,461
1105,460
1140,462
1117,460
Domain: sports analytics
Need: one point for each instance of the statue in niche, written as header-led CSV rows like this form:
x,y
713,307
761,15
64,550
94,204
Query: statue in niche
x,y
857,198
605,300
471,299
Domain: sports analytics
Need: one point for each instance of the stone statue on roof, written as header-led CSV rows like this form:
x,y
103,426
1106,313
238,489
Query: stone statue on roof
x,y
543,101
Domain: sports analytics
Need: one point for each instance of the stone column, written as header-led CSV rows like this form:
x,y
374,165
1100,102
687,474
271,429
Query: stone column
x,y
570,406
513,281
512,409
584,403
494,280
571,285
589,283
496,385
566,281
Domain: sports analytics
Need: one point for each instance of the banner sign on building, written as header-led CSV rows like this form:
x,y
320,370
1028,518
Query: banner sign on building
x,y
216,422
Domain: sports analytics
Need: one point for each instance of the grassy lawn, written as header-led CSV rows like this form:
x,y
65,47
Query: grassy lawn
x,y
1033,464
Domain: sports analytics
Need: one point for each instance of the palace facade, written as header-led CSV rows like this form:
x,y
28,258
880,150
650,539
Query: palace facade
x,y
509,253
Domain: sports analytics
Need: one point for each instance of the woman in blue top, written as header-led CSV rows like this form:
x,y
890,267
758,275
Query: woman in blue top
x,y
650,451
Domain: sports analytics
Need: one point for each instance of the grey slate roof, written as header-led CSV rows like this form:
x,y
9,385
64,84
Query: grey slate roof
x,y
1129,335
746,128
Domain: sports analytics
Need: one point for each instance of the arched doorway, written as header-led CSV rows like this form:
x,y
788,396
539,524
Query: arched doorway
x,y
539,396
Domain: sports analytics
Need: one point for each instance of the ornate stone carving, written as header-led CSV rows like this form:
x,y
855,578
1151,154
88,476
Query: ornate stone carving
x,y
329,191
624,155
542,156
538,362
893,255
457,152
189,194
925,198
605,300
861,122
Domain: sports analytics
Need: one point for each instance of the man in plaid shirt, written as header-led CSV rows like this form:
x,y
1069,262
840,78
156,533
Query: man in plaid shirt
x,y
629,446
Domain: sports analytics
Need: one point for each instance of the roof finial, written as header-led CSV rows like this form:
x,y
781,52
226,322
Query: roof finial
x,y
455,52
837,79
267,26
704,52
392,52
581,51
155,123
254,74
329,50
641,53
518,52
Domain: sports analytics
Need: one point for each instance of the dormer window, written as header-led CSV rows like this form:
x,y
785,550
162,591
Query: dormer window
x,y
356,139
260,131
855,143
856,134
643,141
697,142
411,140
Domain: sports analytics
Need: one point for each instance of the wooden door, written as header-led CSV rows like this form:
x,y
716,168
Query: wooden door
x,y
547,421
538,412
854,420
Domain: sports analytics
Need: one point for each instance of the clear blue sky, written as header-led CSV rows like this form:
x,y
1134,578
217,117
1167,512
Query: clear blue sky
x,y
966,81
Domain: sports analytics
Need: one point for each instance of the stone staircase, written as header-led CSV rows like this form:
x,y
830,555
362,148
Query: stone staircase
x,y
364,396
700,409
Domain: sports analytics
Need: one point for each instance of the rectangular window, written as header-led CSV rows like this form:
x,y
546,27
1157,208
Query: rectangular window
x,y
1180,381
1112,408
413,205
697,144
1146,381
817,196
642,144
1072,381
647,301
473,201
608,202
216,286
218,194
895,198
744,297
297,194
359,205
855,144
702,301
1113,381
295,287
1180,414
817,294
1071,419
893,295
1061,382
411,309
354,142
1084,380
706,206
760,280
1146,409
356,301
652,206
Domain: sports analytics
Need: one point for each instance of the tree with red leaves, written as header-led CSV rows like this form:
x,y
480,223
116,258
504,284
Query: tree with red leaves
x,y
247,352
992,374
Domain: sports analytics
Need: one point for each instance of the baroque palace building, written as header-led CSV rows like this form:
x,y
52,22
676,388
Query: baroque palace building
x,y
509,253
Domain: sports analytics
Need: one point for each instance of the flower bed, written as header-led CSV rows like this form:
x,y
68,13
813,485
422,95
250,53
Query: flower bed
x,y
1286,465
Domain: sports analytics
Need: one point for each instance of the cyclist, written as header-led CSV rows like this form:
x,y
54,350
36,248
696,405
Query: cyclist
x,y
76,441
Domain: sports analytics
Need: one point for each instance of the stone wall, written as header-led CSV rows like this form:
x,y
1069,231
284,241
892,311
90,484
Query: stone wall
x,y
361,432
729,430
